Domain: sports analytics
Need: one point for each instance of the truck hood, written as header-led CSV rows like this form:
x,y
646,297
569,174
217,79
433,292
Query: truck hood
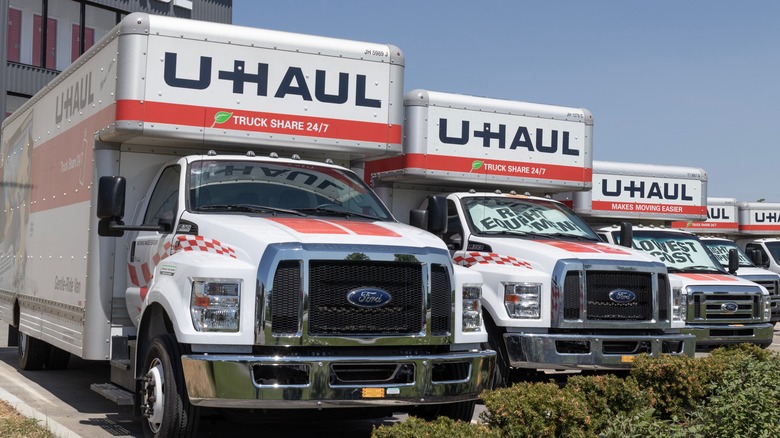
x,y
545,253
251,234
721,280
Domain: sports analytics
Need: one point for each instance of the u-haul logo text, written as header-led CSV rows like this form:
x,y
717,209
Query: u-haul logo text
x,y
717,213
550,142
653,190
351,87
762,217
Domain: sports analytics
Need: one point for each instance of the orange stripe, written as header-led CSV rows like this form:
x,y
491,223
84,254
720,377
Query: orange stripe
x,y
366,229
585,247
648,207
309,226
203,117
708,277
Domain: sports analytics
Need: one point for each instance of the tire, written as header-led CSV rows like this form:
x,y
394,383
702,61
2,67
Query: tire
x,y
501,369
32,352
57,358
165,408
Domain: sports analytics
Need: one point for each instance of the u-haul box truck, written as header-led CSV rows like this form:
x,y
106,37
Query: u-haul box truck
x,y
716,307
555,296
759,233
146,223
719,232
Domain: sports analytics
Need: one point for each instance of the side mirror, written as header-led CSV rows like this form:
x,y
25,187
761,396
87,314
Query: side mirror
x,y
419,218
437,214
733,261
626,234
111,198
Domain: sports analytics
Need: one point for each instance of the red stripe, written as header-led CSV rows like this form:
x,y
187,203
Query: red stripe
x,y
448,163
708,225
759,227
650,208
319,127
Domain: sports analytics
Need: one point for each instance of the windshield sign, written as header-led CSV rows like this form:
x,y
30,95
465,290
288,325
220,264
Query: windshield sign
x,y
720,249
676,250
495,214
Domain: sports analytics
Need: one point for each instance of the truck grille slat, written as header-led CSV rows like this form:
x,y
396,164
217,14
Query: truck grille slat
x,y
598,304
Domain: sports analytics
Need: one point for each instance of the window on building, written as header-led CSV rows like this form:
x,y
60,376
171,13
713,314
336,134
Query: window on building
x,y
89,40
14,34
50,60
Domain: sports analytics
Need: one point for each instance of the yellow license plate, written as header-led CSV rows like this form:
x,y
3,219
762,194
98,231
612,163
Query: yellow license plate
x,y
627,359
373,392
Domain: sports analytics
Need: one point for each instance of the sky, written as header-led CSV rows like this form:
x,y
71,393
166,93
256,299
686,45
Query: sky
x,y
692,83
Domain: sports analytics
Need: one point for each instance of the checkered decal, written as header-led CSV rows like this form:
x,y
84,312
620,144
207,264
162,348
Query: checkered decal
x,y
198,243
483,258
141,273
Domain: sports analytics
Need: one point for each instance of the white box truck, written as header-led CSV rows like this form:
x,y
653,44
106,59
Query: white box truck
x,y
555,296
719,232
718,308
759,233
147,224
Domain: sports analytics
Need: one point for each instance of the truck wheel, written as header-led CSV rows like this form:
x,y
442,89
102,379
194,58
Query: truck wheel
x,y
32,352
164,405
501,369
57,358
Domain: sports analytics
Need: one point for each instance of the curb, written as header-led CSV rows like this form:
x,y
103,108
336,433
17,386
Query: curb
x,y
24,409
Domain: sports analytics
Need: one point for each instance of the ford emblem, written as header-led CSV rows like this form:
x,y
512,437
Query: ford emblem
x,y
369,297
622,296
729,307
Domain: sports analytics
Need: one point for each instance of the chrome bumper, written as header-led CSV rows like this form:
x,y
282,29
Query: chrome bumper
x,y
714,335
321,382
590,352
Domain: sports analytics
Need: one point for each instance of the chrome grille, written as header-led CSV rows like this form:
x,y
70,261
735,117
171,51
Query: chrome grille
x,y
331,314
599,284
726,307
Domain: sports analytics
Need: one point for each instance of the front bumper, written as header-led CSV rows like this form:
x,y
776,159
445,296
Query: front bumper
x,y
714,335
574,351
321,382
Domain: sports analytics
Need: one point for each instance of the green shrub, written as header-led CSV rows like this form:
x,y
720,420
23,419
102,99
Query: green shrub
x,y
607,395
643,423
674,384
536,410
745,400
442,427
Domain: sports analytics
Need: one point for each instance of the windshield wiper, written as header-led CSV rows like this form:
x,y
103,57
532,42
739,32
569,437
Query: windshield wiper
x,y
247,208
505,233
340,212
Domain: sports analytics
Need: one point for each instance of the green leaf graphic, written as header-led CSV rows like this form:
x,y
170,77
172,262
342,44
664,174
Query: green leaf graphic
x,y
476,165
221,117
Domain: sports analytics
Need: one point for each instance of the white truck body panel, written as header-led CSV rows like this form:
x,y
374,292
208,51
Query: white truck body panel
x,y
463,140
630,190
722,218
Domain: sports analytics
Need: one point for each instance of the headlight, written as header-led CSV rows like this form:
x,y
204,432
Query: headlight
x,y
215,304
679,305
767,308
523,300
472,308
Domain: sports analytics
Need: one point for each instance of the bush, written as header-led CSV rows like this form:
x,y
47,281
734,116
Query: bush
x,y
538,409
608,395
442,427
674,383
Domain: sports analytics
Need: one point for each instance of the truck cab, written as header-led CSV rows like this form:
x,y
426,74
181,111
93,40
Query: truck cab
x,y
721,247
717,307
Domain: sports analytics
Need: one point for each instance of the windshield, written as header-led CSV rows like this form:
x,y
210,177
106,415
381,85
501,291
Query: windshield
x,y
679,251
262,187
720,249
774,249
524,216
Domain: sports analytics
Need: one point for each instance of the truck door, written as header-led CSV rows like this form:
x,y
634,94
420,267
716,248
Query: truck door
x,y
149,248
